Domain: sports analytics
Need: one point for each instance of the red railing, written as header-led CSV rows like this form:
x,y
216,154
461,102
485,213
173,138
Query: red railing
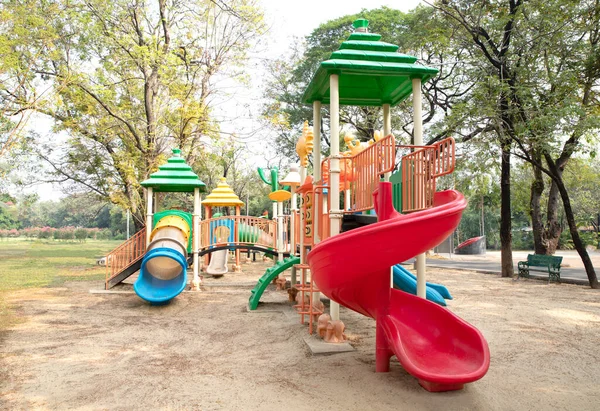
x,y
420,170
125,255
361,173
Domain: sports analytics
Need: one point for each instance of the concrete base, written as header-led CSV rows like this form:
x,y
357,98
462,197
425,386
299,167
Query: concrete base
x,y
92,291
319,347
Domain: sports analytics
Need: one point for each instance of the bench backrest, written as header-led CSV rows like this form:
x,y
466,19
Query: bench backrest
x,y
540,260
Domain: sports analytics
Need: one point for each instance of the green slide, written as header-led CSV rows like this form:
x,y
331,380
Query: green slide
x,y
268,276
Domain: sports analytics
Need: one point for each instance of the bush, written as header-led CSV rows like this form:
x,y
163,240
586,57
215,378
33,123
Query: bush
x,y
46,233
31,232
67,233
92,232
104,234
522,240
80,234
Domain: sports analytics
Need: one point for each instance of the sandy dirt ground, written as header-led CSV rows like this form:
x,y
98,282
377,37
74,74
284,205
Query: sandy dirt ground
x,y
204,351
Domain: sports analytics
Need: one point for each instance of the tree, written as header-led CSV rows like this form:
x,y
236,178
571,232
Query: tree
x,y
129,81
8,212
418,32
525,53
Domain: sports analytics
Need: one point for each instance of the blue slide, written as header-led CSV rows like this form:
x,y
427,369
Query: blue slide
x,y
154,289
163,273
407,282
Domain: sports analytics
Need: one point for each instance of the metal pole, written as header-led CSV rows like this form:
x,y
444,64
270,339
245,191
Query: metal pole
x,y
128,215
149,216
335,214
196,238
418,141
317,161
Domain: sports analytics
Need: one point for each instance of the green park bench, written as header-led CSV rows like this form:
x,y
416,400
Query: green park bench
x,y
541,263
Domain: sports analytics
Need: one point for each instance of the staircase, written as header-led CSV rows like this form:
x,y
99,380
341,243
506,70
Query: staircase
x,y
126,259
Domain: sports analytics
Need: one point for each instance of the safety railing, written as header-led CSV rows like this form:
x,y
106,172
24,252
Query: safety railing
x,y
420,169
297,230
241,230
321,212
126,254
360,174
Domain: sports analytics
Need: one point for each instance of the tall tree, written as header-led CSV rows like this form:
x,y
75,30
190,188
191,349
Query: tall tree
x,y
530,55
129,80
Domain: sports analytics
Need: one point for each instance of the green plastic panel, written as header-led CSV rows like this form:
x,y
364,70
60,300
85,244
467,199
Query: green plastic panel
x,y
371,72
156,217
368,45
175,176
396,180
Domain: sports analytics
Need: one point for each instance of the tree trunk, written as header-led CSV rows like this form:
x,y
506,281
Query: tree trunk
x,y
535,210
585,258
545,236
553,227
505,213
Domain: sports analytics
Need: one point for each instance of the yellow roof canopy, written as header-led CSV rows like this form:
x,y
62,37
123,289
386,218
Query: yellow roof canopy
x,y
222,196
280,195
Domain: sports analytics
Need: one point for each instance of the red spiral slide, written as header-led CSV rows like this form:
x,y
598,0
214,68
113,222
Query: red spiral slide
x,y
437,347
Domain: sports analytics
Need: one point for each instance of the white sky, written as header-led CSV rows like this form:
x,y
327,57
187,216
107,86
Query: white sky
x,y
286,19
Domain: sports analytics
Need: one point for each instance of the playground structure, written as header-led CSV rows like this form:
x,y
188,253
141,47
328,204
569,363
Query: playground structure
x,y
160,252
475,245
356,268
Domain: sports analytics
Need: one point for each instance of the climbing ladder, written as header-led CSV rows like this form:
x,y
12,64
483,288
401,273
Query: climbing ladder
x,y
306,288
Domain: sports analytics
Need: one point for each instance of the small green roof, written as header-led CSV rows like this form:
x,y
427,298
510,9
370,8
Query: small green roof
x,y
372,72
175,176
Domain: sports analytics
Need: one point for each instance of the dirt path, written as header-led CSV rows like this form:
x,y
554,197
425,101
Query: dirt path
x,y
75,350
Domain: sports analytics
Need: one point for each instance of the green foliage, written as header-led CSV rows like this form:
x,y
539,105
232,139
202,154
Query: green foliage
x,y
419,32
8,217
126,81
81,234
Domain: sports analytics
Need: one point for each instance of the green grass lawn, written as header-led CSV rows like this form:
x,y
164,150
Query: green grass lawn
x,y
27,264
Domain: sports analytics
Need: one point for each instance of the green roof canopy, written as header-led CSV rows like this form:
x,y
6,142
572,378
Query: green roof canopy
x,y
372,72
175,176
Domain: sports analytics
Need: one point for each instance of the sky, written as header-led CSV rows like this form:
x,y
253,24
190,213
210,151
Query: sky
x,y
286,19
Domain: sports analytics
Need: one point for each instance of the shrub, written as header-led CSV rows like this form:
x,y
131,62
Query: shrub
x,y
67,233
31,232
46,232
104,234
92,232
522,240
80,234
